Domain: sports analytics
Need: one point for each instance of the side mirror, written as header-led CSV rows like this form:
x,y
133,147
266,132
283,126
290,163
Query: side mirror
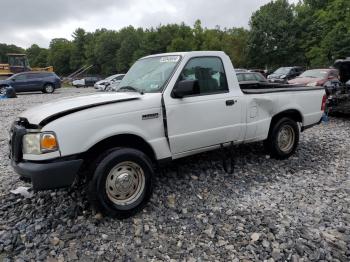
x,y
185,88
13,79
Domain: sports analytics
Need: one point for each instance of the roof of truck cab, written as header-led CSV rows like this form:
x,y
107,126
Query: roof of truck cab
x,y
191,53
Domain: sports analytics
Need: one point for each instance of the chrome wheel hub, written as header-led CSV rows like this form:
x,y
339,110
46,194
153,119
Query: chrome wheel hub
x,y
125,183
49,89
286,138
2,91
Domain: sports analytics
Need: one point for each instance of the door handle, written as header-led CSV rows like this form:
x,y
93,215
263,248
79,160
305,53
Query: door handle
x,y
230,102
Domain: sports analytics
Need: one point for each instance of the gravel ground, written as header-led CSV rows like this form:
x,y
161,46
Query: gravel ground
x,y
296,209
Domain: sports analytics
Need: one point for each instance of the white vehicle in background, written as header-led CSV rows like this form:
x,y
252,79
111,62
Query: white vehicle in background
x,y
108,83
168,106
86,81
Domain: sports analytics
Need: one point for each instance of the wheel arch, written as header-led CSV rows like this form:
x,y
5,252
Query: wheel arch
x,y
121,140
48,83
293,114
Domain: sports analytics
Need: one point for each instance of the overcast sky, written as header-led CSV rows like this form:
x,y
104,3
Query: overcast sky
x,y
24,22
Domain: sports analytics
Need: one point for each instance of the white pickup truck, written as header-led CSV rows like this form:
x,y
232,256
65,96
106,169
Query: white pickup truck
x,y
167,106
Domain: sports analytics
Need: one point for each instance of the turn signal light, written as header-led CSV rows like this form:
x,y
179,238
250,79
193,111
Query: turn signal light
x,y
48,142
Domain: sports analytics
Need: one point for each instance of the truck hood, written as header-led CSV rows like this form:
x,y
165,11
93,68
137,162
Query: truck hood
x,y
43,114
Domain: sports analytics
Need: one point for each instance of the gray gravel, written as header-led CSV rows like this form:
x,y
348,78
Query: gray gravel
x,y
296,209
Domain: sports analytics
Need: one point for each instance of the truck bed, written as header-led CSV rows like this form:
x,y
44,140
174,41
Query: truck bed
x,y
263,88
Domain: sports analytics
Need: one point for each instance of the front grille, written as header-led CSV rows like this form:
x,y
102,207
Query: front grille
x,y
15,143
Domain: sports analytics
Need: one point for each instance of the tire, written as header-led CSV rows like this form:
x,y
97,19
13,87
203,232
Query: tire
x,y
2,90
283,138
106,190
49,89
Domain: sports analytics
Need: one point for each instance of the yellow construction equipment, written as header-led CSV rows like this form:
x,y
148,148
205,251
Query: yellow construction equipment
x,y
19,63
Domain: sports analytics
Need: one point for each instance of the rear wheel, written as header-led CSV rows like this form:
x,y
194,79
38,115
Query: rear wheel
x,y
283,138
49,88
122,183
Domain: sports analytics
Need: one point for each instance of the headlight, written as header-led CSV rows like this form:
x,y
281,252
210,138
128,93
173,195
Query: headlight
x,y
39,143
31,144
312,84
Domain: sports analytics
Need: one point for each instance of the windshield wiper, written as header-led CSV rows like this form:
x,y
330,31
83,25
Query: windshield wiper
x,y
130,88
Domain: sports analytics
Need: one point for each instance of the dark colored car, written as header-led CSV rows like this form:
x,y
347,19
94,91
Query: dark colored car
x,y
45,82
283,74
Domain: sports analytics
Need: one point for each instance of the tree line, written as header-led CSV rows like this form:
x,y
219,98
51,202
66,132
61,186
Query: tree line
x,y
312,33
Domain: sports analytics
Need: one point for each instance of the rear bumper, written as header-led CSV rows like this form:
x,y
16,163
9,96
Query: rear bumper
x,y
49,175
58,85
303,128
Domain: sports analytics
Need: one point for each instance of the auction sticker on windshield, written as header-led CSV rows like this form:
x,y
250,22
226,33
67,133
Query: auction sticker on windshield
x,y
169,59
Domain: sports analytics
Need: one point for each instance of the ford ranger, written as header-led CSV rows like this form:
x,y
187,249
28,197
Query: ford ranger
x,y
168,106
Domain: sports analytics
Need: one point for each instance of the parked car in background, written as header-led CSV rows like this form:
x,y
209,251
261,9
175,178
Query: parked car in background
x,y
45,82
114,79
261,71
248,80
283,74
112,86
86,81
250,77
315,77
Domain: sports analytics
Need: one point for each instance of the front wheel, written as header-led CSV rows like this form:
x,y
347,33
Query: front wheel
x,y
283,138
122,183
2,90
49,89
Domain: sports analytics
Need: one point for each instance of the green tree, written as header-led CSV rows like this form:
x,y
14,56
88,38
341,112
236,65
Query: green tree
x,y
77,57
59,55
37,56
273,36
5,49
324,27
129,49
234,44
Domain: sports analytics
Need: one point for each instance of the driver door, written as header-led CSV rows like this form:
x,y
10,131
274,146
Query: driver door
x,y
20,83
206,119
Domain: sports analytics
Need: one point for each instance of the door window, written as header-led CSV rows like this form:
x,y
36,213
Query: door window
x,y
249,77
33,76
259,77
240,77
209,73
21,77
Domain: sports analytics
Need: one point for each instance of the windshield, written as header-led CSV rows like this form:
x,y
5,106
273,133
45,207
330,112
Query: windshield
x,y
149,75
314,74
282,71
110,78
